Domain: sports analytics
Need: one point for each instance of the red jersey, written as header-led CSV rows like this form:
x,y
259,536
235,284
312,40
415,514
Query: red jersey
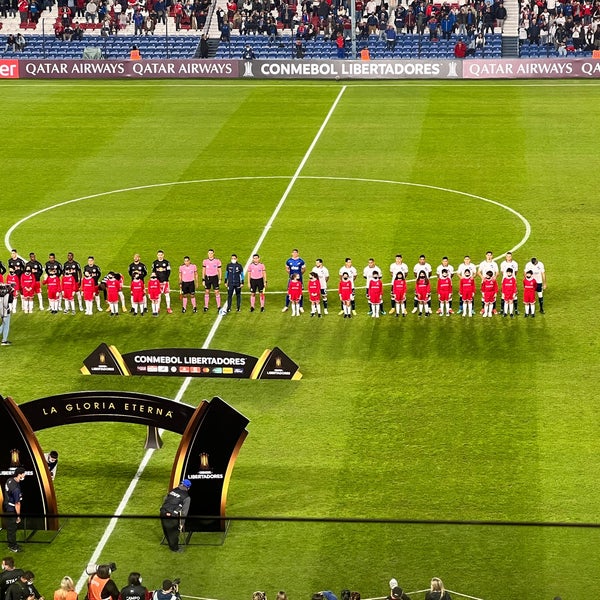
x,y
529,290
154,289
509,288
137,291
27,285
69,287
295,290
444,289
88,287
422,290
489,289
345,290
52,283
467,289
375,291
399,290
14,279
314,290
113,287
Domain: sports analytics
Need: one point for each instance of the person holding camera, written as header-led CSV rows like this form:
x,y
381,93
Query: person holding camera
x,y
169,591
7,296
173,512
101,586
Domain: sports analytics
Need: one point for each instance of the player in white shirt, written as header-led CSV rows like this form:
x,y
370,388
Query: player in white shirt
x,y
398,266
445,266
539,274
368,273
489,264
323,274
422,265
509,263
352,274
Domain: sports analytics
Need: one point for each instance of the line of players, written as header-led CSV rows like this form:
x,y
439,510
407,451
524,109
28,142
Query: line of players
x,y
67,282
487,271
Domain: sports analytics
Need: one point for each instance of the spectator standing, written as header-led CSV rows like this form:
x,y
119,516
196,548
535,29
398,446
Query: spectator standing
x,y
12,508
437,591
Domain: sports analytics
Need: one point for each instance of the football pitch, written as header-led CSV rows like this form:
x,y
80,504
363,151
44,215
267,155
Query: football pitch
x,y
425,420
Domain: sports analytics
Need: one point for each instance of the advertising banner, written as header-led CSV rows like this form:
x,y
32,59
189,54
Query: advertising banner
x,y
190,362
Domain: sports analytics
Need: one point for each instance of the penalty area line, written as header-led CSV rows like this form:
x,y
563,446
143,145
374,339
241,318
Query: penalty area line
x,y
211,334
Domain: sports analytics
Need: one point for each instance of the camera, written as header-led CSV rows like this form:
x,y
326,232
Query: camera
x,y
93,568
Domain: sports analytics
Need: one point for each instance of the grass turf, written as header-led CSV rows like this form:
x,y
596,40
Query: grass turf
x,y
432,419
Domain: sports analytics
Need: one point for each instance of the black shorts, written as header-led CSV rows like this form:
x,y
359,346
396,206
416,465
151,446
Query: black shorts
x,y
257,285
211,281
539,287
188,287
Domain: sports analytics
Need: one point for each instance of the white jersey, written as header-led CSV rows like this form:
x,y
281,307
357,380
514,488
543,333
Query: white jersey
x,y
448,268
323,275
352,273
396,268
466,267
369,271
509,264
423,267
486,266
536,269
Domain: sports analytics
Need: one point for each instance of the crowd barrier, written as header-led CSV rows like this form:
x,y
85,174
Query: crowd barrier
x,y
301,69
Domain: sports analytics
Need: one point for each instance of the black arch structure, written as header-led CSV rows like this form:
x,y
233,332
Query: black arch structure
x,y
212,435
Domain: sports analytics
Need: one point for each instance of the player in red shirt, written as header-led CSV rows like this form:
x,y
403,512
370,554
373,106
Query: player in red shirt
x,y
295,294
345,290
52,283
489,290
314,294
89,290
69,288
423,293
138,294
15,281
113,287
399,293
467,293
27,290
444,292
509,293
375,294
154,291
529,293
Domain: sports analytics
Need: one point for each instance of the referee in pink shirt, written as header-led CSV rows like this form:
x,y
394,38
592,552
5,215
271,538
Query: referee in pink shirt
x,y
188,281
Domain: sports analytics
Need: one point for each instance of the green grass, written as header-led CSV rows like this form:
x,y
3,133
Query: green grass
x,y
394,419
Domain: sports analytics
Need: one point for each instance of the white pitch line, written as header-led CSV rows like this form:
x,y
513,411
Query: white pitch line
x,y
186,382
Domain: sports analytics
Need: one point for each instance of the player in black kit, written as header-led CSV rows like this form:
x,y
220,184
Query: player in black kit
x,y
16,263
162,268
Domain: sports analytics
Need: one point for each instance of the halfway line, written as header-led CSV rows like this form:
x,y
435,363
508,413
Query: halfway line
x,y
211,334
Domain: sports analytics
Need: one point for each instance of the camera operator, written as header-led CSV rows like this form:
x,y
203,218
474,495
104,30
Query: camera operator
x,y
100,585
169,591
7,295
134,590
173,512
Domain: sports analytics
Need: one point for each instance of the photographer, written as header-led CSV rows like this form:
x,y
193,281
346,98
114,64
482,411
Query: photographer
x,y
7,295
100,585
169,591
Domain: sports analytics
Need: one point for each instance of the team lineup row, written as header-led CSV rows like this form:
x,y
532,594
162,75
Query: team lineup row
x,y
68,281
